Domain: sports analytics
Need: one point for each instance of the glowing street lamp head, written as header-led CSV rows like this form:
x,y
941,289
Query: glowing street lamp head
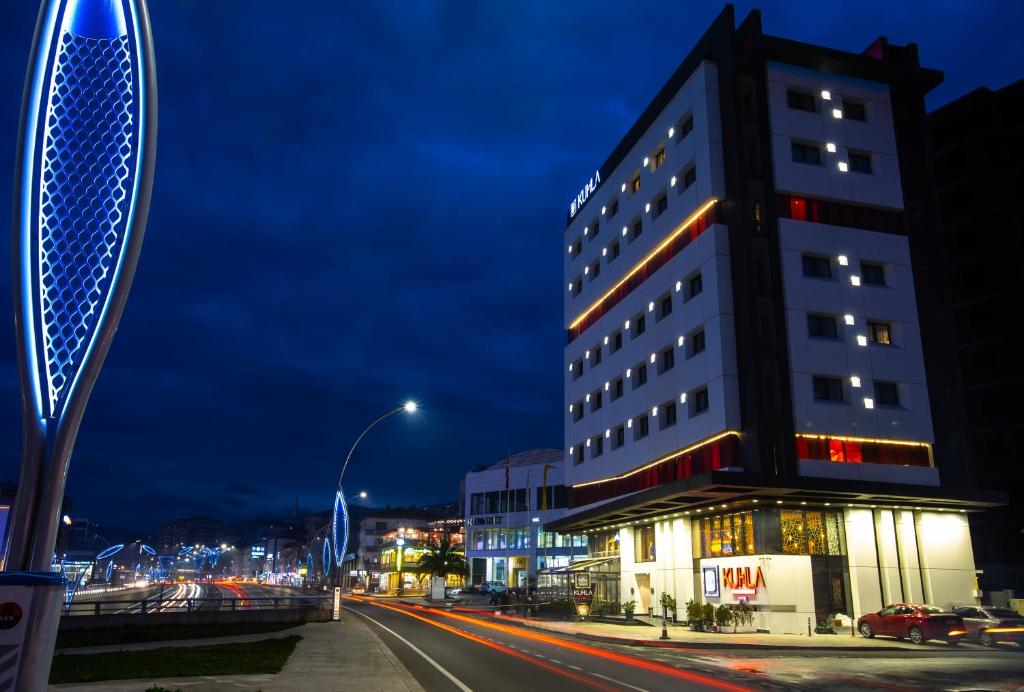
x,y
410,406
362,495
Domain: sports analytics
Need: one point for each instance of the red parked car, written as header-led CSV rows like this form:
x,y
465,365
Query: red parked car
x,y
918,623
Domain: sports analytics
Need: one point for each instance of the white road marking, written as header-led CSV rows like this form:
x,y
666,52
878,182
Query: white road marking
x,y
575,667
455,681
619,682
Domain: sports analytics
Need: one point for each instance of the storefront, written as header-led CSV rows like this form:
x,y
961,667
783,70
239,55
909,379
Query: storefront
x,y
799,565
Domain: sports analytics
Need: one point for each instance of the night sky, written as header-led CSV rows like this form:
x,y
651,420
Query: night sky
x,y
356,203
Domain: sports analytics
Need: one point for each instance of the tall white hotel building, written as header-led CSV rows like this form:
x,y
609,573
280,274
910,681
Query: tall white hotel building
x,y
760,403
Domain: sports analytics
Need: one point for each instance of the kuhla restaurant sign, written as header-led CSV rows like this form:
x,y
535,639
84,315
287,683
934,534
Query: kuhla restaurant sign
x,y
740,581
584,194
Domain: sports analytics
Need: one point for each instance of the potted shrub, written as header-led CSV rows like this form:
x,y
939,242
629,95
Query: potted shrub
x,y
723,615
695,616
628,607
742,615
707,614
668,604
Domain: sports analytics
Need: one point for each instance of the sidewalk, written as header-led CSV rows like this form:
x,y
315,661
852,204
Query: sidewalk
x,y
332,657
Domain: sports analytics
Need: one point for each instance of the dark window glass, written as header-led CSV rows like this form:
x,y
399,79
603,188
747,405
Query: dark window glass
x,y
689,177
860,163
595,269
619,437
801,101
595,356
697,343
667,360
640,375
668,414
817,267
641,427
638,228
639,325
577,454
887,394
635,185
596,400
613,251
822,326
686,128
659,158
617,389
596,446
660,206
665,307
853,110
616,341
803,153
700,401
879,333
828,389
873,274
577,369
577,411
696,286
614,208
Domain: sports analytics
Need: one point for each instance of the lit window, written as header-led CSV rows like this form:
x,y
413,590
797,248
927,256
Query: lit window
x,y
880,333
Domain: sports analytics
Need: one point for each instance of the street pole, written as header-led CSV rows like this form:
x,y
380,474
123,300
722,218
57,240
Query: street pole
x,y
82,184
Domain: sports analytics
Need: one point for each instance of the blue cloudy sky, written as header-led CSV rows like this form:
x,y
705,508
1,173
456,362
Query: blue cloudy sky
x,y
360,202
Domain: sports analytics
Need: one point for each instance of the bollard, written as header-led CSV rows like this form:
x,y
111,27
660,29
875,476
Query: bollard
x,y
808,627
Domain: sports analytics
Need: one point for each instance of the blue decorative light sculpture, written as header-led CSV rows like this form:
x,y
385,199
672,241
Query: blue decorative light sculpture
x,y
339,527
326,557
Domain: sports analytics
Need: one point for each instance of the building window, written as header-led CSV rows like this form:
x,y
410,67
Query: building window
x,y
664,307
854,110
577,455
694,286
613,208
668,415
811,533
595,356
727,535
827,389
595,269
619,437
613,251
639,325
666,360
696,344
805,153
801,101
846,451
640,375
576,286
577,248
822,327
636,230
880,333
871,273
859,163
689,178
596,400
616,388
577,411
643,544
615,342
659,158
660,205
817,267
686,127
577,368
641,427
700,402
887,394
596,446
634,185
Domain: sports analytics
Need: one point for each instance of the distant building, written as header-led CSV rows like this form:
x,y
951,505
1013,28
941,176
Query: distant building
x,y
188,532
362,568
976,146
402,549
505,536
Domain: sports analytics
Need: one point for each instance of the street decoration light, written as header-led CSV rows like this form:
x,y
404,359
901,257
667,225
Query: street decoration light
x,y
82,184
339,522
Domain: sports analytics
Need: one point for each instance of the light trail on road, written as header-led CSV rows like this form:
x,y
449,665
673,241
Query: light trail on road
x,y
619,658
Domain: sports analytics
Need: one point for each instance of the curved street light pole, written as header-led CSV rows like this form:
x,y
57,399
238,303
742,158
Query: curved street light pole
x,y
407,407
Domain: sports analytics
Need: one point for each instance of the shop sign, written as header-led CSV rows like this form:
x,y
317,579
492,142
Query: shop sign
x,y
709,578
740,581
581,198
582,593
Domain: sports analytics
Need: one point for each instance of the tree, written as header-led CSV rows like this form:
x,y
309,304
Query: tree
x,y
442,559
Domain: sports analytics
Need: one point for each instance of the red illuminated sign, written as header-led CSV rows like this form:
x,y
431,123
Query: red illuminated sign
x,y
740,581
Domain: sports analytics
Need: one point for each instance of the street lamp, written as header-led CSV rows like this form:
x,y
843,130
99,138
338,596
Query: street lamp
x,y
339,529
362,494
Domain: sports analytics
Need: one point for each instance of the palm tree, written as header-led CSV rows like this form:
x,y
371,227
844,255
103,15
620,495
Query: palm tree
x,y
441,560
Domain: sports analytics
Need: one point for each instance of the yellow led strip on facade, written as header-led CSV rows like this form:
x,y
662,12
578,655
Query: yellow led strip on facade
x,y
869,440
681,228
663,459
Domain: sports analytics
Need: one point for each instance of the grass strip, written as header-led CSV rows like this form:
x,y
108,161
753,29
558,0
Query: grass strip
x,y
266,656
163,633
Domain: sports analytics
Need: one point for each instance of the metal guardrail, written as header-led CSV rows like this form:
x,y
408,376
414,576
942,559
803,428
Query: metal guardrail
x,y
147,606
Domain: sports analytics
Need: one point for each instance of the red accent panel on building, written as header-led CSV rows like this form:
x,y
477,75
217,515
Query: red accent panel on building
x,y
711,457
652,265
845,451
839,214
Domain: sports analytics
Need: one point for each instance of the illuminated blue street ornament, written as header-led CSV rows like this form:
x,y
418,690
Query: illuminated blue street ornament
x,y
339,527
143,548
83,178
110,552
184,551
326,557
110,571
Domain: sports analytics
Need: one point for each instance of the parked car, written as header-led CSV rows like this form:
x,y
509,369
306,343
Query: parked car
x,y
492,587
989,624
918,623
452,591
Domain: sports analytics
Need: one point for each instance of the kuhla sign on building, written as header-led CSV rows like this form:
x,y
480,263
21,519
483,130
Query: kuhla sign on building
x,y
584,194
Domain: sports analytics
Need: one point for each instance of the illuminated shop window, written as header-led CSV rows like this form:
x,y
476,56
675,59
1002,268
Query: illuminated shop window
x,y
643,544
727,535
810,532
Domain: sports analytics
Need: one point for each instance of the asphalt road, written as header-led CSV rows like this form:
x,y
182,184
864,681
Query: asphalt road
x,y
461,651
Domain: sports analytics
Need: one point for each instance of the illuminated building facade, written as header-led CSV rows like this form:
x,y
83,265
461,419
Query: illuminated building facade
x,y
755,407
507,515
